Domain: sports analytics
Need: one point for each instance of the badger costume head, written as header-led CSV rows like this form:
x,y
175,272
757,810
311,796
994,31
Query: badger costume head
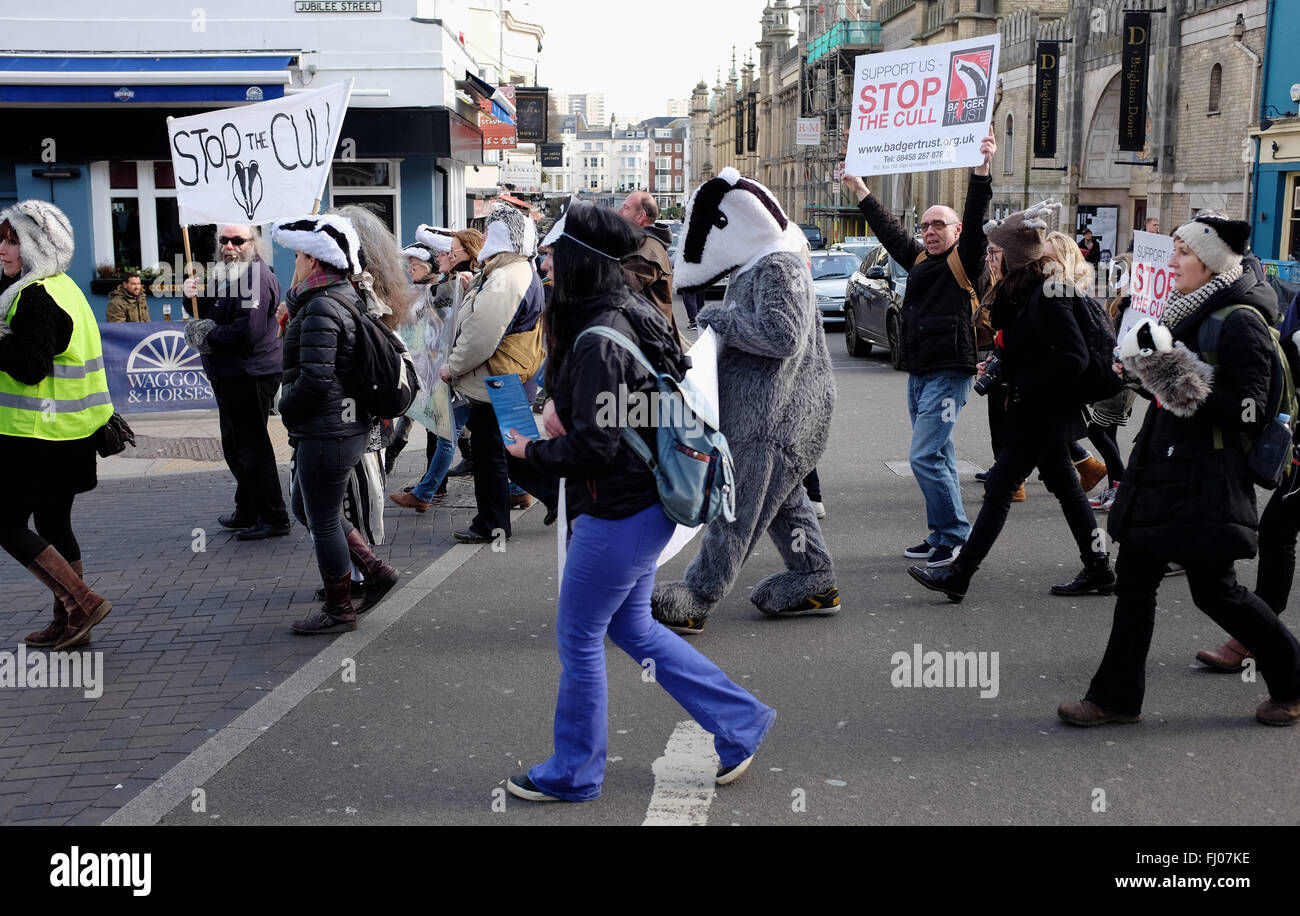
x,y
45,242
420,252
1177,377
327,237
731,222
505,230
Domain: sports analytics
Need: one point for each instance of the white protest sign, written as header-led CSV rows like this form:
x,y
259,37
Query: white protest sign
x,y
1149,282
703,374
257,163
808,132
922,108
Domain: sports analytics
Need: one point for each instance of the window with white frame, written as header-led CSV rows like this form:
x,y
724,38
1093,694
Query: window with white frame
x,y
677,147
677,182
136,220
662,163
370,183
661,183
677,164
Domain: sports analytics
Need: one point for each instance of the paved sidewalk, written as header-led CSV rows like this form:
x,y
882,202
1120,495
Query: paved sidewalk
x,y
195,636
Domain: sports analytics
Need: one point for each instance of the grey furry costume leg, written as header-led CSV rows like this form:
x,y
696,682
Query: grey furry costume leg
x,y
808,569
769,498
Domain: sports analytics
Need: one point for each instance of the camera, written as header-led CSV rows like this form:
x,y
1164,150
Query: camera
x,y
991,377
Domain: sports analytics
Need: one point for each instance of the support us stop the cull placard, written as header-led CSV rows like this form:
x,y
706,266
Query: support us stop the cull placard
x,y
922,108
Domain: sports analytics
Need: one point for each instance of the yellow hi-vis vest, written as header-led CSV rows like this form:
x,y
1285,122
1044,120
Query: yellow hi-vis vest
x,y
72,401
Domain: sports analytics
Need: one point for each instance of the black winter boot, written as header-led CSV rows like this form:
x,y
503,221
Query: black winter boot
x,y
1096,576
953,580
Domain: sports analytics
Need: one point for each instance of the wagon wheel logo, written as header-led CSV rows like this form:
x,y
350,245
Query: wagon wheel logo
x,y
163,351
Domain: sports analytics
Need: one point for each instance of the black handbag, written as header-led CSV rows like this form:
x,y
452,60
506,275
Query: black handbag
x,y
113,437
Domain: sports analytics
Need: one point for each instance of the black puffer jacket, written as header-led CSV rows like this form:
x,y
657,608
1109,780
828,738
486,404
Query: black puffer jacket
x,y
936,332
318,348
605,477
1181,497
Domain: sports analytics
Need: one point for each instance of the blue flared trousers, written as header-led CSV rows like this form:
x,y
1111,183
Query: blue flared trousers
x,y
608,576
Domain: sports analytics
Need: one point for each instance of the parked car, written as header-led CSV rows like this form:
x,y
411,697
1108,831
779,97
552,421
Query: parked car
x,y
872,305
814,236
831,271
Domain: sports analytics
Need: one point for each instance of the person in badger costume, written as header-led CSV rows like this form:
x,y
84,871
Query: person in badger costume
x,y
776,394
1187,493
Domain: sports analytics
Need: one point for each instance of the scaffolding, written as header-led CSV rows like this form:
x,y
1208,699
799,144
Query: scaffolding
x,y
827,92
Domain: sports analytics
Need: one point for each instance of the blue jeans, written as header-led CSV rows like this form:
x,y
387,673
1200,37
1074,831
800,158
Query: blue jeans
x,y
608,576
442,455
933,402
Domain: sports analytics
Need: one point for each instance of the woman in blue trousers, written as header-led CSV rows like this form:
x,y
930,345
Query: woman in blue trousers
x,y
620,528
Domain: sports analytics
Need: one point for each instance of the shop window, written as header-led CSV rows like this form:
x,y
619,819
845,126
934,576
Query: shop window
x,y
136,220
372,184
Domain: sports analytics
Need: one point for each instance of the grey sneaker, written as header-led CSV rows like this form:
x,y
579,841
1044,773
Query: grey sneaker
x,y
943,556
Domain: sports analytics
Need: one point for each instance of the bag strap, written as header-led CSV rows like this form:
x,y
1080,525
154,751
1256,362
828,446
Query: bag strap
x,y
1208,336
634,441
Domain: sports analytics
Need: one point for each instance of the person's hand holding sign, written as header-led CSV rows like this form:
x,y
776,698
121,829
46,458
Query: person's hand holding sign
x,y
988,147
857,187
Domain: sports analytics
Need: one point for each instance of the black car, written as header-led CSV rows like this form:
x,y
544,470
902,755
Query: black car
x,y
872,304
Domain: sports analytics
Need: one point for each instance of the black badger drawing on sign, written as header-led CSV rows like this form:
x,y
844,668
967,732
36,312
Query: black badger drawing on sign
x,y
247,186
976,77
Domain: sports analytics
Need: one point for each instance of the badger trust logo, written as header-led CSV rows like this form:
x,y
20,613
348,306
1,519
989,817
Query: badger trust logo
x,y
163,368
969,83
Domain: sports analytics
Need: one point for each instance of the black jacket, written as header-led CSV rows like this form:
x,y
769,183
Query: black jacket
x,y
246,340
318,348
1181,497
936,332
1043,354
605,477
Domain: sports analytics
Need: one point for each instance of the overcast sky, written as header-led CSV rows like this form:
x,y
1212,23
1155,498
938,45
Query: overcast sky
x,y
639,54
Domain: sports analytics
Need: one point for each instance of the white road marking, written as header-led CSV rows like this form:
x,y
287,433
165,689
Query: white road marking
x,y
684,775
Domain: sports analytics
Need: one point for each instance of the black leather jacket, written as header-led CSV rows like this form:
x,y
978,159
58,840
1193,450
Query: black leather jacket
x,y
318,348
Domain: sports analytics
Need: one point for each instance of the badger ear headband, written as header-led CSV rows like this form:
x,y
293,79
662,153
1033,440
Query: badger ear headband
x,y
557,232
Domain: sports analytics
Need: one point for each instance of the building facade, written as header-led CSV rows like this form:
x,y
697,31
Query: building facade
x,y
96,117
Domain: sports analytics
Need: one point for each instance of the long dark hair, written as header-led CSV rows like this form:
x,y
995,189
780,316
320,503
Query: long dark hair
x,y
581,274
1016,284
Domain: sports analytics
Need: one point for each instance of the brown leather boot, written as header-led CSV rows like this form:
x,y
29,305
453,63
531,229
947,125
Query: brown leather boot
x,y
1091,471
84,607
380,577
48,637
1019,496
336,614
1228,657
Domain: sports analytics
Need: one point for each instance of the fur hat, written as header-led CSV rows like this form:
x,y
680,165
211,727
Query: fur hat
x,y
1218,242
45,237
435,237
327,237
1021,236
420,252
731,222
504,230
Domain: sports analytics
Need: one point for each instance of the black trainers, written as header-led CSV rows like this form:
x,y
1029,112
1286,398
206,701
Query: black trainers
x,y
942,556
827,602
921,551
522,787
732,773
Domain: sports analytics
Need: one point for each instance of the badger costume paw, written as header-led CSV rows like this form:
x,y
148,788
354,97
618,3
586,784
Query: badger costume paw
x,y
792,593
1180,380
676,603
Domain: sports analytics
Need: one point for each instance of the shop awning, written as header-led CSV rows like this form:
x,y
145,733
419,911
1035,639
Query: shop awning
x,y
143,79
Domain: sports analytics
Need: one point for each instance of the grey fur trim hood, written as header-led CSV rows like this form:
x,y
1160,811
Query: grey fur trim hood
x,y
45,238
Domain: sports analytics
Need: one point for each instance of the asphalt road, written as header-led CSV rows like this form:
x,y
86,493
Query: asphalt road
x,y
456,694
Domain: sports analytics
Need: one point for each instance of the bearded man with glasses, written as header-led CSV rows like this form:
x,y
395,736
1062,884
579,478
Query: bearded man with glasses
x,y
238,337
937,342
